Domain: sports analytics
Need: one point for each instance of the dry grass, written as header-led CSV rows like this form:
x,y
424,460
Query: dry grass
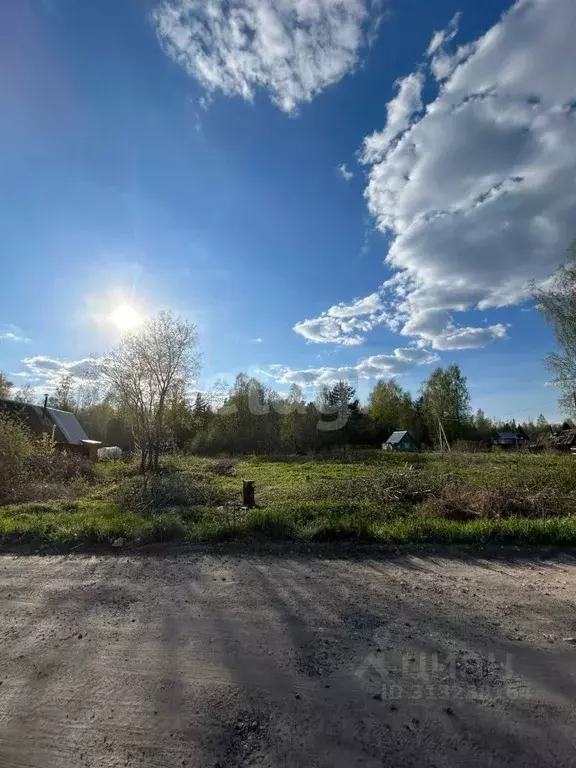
x,y
458,502
423,498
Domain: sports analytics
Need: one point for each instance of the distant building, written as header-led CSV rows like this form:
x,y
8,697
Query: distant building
x,y
67,431
400,441
564,440
508,439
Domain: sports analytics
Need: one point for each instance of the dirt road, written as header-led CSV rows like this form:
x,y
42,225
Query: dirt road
x,y
257,660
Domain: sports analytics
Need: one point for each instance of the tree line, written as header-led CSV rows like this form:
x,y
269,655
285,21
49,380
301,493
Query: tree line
x,y
139,397
250,417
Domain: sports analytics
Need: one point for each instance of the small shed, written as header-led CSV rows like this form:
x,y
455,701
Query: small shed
x,y
65,427
400,441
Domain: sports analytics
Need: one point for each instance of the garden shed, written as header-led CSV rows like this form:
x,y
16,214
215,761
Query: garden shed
x,y
400,441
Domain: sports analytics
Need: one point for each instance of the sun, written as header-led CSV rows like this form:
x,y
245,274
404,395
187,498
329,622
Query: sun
x,y
125,317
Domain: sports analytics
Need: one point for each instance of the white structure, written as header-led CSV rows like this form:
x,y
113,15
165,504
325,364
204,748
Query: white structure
x,y
109,452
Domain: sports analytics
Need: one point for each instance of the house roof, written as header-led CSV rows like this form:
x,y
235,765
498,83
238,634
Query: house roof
x,y
66,426
566,439
397,437
507,436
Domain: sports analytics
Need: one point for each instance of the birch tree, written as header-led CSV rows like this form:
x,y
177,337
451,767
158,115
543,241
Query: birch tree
x,y
557,302
147,368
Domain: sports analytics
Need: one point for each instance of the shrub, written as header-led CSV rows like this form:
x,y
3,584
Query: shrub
x,y
16,448
61,466
148,494
222,467
405,484
472,503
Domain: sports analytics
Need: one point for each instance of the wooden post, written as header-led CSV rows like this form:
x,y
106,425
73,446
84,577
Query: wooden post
x,y
248,491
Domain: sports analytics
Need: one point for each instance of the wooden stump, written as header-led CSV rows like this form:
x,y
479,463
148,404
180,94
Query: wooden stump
x,y
248,492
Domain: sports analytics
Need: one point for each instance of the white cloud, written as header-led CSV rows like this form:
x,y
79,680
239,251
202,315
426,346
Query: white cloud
x,y
401,361
475,190
476,193
400,112
292,48
13,333
443,63
439,39
329,330
51,370
437,328
256,341
22,375
345,173
343,323
479,194
365,306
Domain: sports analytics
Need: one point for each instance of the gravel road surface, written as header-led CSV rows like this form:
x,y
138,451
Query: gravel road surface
x,y
208,660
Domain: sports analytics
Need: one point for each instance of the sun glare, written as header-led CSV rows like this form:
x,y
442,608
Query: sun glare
x,y
125,318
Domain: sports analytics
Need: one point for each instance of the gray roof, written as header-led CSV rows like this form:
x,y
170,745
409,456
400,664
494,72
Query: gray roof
x,y
43,420
396,437
507,436
69,425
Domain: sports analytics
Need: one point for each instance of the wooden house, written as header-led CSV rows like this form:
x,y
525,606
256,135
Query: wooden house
x,y
401,440
67,430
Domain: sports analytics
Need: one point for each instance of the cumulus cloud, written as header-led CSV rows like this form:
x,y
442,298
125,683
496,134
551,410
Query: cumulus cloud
x,y
443,36
478,193
400,112
437,328
343,323
13,333
292,48
443,62
401,361
345,173
51,370
475,190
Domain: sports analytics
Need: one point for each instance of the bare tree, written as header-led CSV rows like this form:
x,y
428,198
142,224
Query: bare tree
x,y
557,302
145,370
25,395
63,397
5,386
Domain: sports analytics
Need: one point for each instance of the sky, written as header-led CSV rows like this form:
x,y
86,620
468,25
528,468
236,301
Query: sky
x,y
329,189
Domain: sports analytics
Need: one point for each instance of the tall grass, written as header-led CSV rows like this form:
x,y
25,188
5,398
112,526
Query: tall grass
x,y
392,498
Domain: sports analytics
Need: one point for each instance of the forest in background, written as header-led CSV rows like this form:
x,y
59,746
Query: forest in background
x,y
249,417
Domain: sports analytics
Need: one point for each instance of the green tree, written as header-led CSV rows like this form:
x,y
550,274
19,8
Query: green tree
x,y
483,425
347,426
391,408
542,425
445,399
293,430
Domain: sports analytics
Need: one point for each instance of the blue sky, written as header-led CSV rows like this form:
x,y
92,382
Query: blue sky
x,y
328,188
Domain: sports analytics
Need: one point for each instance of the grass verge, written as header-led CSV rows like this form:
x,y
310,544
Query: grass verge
x,y
90,524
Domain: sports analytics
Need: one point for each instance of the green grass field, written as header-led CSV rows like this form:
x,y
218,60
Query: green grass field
x,y
372,497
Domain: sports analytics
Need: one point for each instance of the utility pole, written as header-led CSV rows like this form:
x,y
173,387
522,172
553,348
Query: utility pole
x,y
442,439
445,438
